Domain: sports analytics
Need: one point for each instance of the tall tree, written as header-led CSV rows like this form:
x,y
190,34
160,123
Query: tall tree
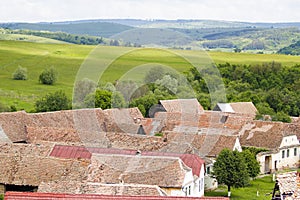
x,y
230,169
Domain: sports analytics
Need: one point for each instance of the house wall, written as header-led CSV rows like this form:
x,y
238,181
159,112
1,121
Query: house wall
x,y
289,140
288,161
194,187
173,191
2,189
237,145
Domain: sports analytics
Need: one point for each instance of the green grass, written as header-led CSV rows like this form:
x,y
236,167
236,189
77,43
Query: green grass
x,y
29,38
263,185
67,59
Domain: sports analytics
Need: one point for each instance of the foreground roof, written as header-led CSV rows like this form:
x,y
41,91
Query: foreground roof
x,y
53,196
62,151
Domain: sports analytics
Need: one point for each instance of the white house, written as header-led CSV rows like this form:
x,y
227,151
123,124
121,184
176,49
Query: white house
x,y
279,141
285,156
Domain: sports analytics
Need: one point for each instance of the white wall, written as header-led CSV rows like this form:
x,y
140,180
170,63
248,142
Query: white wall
x,y
289,140
194,187
289,160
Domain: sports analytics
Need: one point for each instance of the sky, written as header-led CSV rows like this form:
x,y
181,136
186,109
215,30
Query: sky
x,y
232,10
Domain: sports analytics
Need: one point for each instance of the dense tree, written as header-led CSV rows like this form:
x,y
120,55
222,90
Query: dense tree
x,y
230,169
53,102
48,76
154,74
252,164
99,99
20,73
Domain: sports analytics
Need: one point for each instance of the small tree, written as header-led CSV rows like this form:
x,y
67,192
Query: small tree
x,y
20,74
53,102
230,169
99,99
48,76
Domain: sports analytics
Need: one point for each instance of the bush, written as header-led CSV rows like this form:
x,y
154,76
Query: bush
x,y
20,73
53,102
48,76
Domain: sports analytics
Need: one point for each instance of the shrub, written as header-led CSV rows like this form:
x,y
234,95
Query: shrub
x,y
53,102
20,73
48,76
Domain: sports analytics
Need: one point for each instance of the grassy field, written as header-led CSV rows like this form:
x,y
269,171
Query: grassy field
x,y
29,38
264,186
67,59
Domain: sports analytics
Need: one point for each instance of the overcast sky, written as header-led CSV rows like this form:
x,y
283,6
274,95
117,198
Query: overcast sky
x,y
235,10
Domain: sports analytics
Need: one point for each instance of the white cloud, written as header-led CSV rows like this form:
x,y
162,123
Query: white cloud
x,y
237,10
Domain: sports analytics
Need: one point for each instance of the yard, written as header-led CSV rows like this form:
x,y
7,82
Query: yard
x,y
263,185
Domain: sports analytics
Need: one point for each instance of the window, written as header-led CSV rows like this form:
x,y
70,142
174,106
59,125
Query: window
x,y
200,185
283,154
287,153
207,170
295,151
189,190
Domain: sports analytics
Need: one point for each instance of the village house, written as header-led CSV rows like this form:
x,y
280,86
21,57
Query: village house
x,y
246,108
176,174
279,141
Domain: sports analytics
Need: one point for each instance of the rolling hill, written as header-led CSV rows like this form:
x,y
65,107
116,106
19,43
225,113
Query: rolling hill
x,y
67,58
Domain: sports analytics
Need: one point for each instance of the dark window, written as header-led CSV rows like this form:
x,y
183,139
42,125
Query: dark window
x,y
207,170
283,154
287,153
295,151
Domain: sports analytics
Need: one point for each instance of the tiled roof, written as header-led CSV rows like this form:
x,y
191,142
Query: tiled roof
x,y
190,160
287,182
191,106
76,187
224,141
54,196
148,170
13,125
264,134
19,169
289,185
244,108
238,107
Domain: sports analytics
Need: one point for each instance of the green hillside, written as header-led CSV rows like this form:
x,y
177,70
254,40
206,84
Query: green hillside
x,y
28,38
67,59
293,49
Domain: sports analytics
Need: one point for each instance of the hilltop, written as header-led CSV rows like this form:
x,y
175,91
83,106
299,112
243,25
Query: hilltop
x,y
191,34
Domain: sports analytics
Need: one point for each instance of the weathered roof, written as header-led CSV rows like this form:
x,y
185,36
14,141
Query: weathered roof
x,y
244,108
237,107
191,106
223,142
22,169
289,185
264,134
135,169
12,126
62,151
55,196
77,187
